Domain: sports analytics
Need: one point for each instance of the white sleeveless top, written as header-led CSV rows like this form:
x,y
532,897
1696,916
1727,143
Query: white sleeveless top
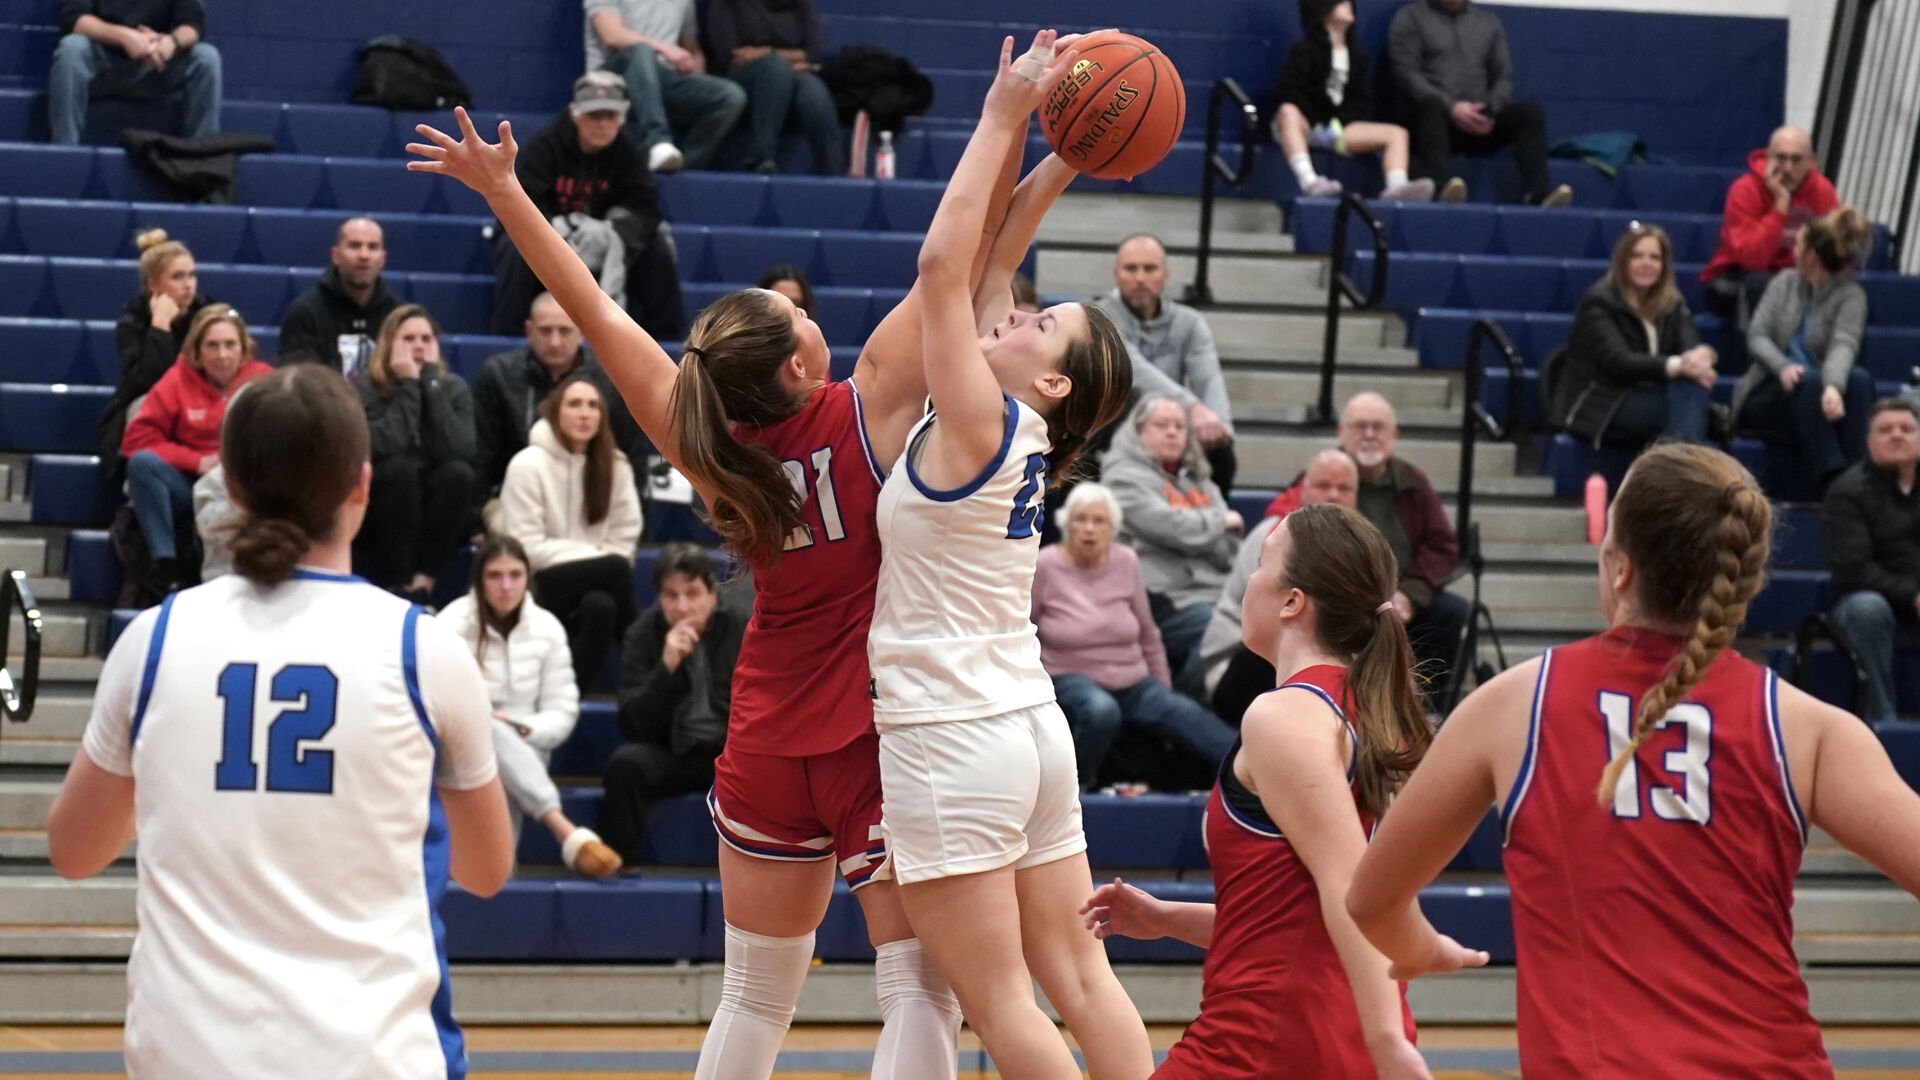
x,y
285,744
953,635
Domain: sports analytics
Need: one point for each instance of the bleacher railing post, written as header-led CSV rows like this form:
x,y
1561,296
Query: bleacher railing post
x,y
1214,169
1339,286
17,699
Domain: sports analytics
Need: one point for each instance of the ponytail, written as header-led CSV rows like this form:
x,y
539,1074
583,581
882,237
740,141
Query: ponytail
x,y
1387,711
752,504
1839,239
1101,378
293,444
1697,531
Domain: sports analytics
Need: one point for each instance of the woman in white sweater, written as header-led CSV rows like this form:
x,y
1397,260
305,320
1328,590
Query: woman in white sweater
x,y
569,499
522,650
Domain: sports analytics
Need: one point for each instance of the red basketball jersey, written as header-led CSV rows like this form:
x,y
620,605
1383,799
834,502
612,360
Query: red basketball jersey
x,y
1275,1001
1655,934
800,687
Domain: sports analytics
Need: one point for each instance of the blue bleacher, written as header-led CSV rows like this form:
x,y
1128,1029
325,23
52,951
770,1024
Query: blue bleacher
x,y
67,489
57,418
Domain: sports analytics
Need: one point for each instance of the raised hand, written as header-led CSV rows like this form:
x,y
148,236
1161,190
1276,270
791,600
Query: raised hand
x,y
485,167
1021,86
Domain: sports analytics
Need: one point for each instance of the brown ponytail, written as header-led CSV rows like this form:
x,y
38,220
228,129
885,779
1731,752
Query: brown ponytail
x,y
730,375
293,445
1698,531
1339,558
1838,239
1101,373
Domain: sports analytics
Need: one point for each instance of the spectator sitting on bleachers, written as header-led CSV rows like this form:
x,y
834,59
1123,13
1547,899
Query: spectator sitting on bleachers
x,y
1766,208
1397,497
1326,100
655,46
772,49
587,177
1177,521
1099,643
336,320
676,688
1172,348
512,384
1450,60
1871,522
175,435
420,428
133,49
1025,297
1805,386
1236,674
522,652
151,330
791,282
1635,369
570,500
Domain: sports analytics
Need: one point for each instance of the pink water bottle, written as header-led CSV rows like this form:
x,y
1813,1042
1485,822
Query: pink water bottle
x,y
883,160
1596,508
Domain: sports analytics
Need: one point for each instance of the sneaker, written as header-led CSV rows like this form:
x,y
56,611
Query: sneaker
x,y
665,157
589,856
1411,191
1557,198
1322,188
1455,191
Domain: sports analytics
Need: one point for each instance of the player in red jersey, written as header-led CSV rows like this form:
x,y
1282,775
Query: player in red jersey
x,y
789,465
1652,917
1290,987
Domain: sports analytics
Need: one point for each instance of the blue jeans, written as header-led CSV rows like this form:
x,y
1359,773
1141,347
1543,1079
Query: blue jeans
x,y
779,100
1096,715
1180,632
82,68
1822,447
162,497
694,112
1866,621
1676,409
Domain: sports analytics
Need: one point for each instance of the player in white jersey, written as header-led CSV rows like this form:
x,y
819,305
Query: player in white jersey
x,y
304,758
981,801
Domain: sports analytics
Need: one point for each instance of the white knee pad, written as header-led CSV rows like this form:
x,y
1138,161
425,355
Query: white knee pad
x,y
757,996
919,1039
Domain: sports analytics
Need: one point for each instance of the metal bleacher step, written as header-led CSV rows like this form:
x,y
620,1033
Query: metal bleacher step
x,y
27,553
1274,458
1278,280
1279,387
1101,221
1245,332
1516,595
63,633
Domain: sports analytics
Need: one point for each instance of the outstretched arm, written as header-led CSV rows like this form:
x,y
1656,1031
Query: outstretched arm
x,y
639,368
963,387
993,296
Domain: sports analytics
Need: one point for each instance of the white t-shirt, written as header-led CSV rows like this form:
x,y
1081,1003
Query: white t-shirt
x,y
285,745
953,635
1337,77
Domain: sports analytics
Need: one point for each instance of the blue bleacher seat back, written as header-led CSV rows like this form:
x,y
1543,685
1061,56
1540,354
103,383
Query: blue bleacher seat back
x,y
715,198
215,234
59,419
878,260
40,350
821,202
1459,229
47,172
93,573
63,227
67,489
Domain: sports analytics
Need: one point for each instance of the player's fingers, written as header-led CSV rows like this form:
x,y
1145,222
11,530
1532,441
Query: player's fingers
x,y
439,137
434,153
426,166
1006,51
1478,958
1062,63
467,130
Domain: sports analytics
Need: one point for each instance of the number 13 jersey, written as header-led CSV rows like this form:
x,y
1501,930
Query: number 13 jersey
x,y
1655,934
953,635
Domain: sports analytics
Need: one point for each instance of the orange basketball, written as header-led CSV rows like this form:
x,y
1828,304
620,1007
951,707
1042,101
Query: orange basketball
x,y
1120,109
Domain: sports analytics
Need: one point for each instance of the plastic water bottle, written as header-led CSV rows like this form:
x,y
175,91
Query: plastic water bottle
x,y
883,163
1596,508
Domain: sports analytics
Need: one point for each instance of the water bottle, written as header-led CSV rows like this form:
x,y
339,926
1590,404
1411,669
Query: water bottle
x,y
1596,508
883,164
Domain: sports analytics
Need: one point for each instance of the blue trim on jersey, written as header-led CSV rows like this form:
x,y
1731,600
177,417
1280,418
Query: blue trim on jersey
x,y
301,573
1780,752
1524,778
985,474
434,858
860,423
410,666
152,669
1353,737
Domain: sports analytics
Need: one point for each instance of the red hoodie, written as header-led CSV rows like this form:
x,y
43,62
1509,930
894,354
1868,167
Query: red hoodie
x,y
1755,236
180,420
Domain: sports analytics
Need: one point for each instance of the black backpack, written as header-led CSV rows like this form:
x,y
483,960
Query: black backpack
x,y
401,73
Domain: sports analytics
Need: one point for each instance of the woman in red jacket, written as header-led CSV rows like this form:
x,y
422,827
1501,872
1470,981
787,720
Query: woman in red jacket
x,y
174,435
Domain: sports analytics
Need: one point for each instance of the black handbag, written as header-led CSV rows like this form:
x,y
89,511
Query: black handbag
x,y
401,73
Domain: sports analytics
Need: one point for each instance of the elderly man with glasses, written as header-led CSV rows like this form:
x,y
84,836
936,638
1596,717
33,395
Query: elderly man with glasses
x,y
1781,191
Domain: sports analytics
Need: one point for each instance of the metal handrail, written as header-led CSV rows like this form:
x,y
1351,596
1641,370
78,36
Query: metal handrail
x,y
1215,167
1475,420
17,698
1340,286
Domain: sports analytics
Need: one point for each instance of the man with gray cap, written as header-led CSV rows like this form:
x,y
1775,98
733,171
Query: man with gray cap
x,y
582,170
655,46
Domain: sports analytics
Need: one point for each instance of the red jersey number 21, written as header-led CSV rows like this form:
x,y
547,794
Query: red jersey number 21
x,y
802,535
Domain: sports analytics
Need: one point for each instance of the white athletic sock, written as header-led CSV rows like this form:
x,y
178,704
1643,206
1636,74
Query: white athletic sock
x,y
1396,177
1303,169
757,996
920,1017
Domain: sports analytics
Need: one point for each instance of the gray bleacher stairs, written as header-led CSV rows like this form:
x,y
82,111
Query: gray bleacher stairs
x,y
63,944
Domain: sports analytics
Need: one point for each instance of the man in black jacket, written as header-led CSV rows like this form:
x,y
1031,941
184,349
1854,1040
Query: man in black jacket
x,y
511,385
336,321
676,684
138,49
1871,520
584,163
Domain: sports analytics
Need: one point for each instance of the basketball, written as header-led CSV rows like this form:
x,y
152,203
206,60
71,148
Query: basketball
x,y
1120,109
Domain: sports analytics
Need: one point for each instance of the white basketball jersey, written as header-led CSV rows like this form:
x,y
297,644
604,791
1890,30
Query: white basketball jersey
x,y
285,744
953,635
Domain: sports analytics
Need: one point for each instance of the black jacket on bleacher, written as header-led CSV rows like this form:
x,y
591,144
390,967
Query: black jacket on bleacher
x,y
1872,532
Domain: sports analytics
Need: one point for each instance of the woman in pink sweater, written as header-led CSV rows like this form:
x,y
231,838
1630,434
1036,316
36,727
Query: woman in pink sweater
x,y
1099,642
174,435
